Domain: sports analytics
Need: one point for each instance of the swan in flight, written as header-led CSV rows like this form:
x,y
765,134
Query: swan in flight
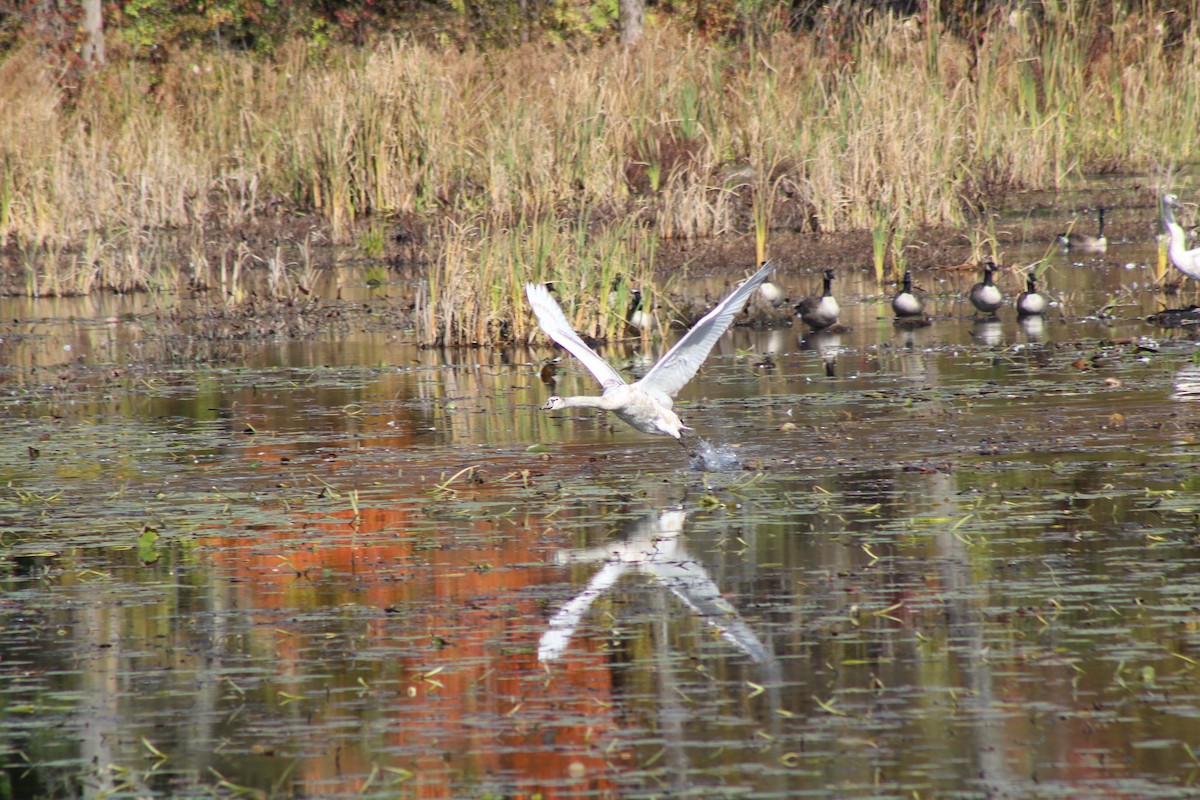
x,y
646,404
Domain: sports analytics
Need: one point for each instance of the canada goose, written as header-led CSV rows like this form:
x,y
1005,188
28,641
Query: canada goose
x,y
906,302
640,318
646,404
1186,261
986,296
1084,242
1031,301
819,313
772,292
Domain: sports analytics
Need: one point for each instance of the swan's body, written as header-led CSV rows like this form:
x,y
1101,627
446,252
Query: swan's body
x,y
1031,301
906,302
1186,261
1085,242
819,313
986,296
645,405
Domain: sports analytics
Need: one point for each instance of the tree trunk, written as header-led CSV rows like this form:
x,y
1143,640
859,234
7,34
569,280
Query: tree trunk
x,y
93,30
631,19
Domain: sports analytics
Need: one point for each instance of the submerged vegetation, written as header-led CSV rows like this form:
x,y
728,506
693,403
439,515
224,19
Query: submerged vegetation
x,y
548,161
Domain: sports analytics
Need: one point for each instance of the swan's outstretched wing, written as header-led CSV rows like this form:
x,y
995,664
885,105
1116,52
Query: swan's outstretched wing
x,y
554,323
689,581
562,625
679,365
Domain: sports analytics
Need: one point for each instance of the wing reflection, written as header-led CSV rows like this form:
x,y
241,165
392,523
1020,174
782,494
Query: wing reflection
x,y
654,548
1187,383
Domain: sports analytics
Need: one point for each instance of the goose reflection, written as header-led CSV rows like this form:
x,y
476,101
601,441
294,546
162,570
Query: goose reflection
x,y
826,343
653,547
1034,327
987,332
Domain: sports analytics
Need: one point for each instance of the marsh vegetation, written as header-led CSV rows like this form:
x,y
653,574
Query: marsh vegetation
x,y
485,168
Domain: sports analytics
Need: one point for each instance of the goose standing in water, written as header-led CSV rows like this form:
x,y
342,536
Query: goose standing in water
x,y
646,404
771,292
640,318
906,302
818,313
1186,261
1031,302
986,296
1084,242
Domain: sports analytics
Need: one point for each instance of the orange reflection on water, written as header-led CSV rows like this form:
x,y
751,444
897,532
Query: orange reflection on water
x,y
458,690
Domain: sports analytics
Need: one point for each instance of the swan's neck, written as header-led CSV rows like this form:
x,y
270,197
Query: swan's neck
x,y
1178,240
1174,229
587,401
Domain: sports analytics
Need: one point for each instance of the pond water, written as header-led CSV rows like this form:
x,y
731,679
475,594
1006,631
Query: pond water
x,y
958,561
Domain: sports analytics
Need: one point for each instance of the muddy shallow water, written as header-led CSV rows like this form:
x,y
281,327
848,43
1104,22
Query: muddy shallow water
x,y
959,561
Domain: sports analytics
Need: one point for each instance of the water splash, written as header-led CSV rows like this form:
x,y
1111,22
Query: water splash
x,y
708,458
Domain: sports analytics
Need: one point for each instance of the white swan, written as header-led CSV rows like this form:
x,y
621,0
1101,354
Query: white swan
x,y
646,404
1186,261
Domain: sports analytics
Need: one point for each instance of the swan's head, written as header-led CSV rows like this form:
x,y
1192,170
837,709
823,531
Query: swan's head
x,y
554,404
1170,201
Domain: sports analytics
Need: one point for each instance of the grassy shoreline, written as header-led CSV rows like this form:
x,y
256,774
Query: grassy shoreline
x,y
542,163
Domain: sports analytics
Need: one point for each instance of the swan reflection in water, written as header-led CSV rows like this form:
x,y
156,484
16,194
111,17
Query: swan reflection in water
x,y
652,548
1187,383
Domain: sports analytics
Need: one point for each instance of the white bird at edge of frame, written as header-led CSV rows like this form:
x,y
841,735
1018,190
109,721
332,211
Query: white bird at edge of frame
x,y
646,404
1186,261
